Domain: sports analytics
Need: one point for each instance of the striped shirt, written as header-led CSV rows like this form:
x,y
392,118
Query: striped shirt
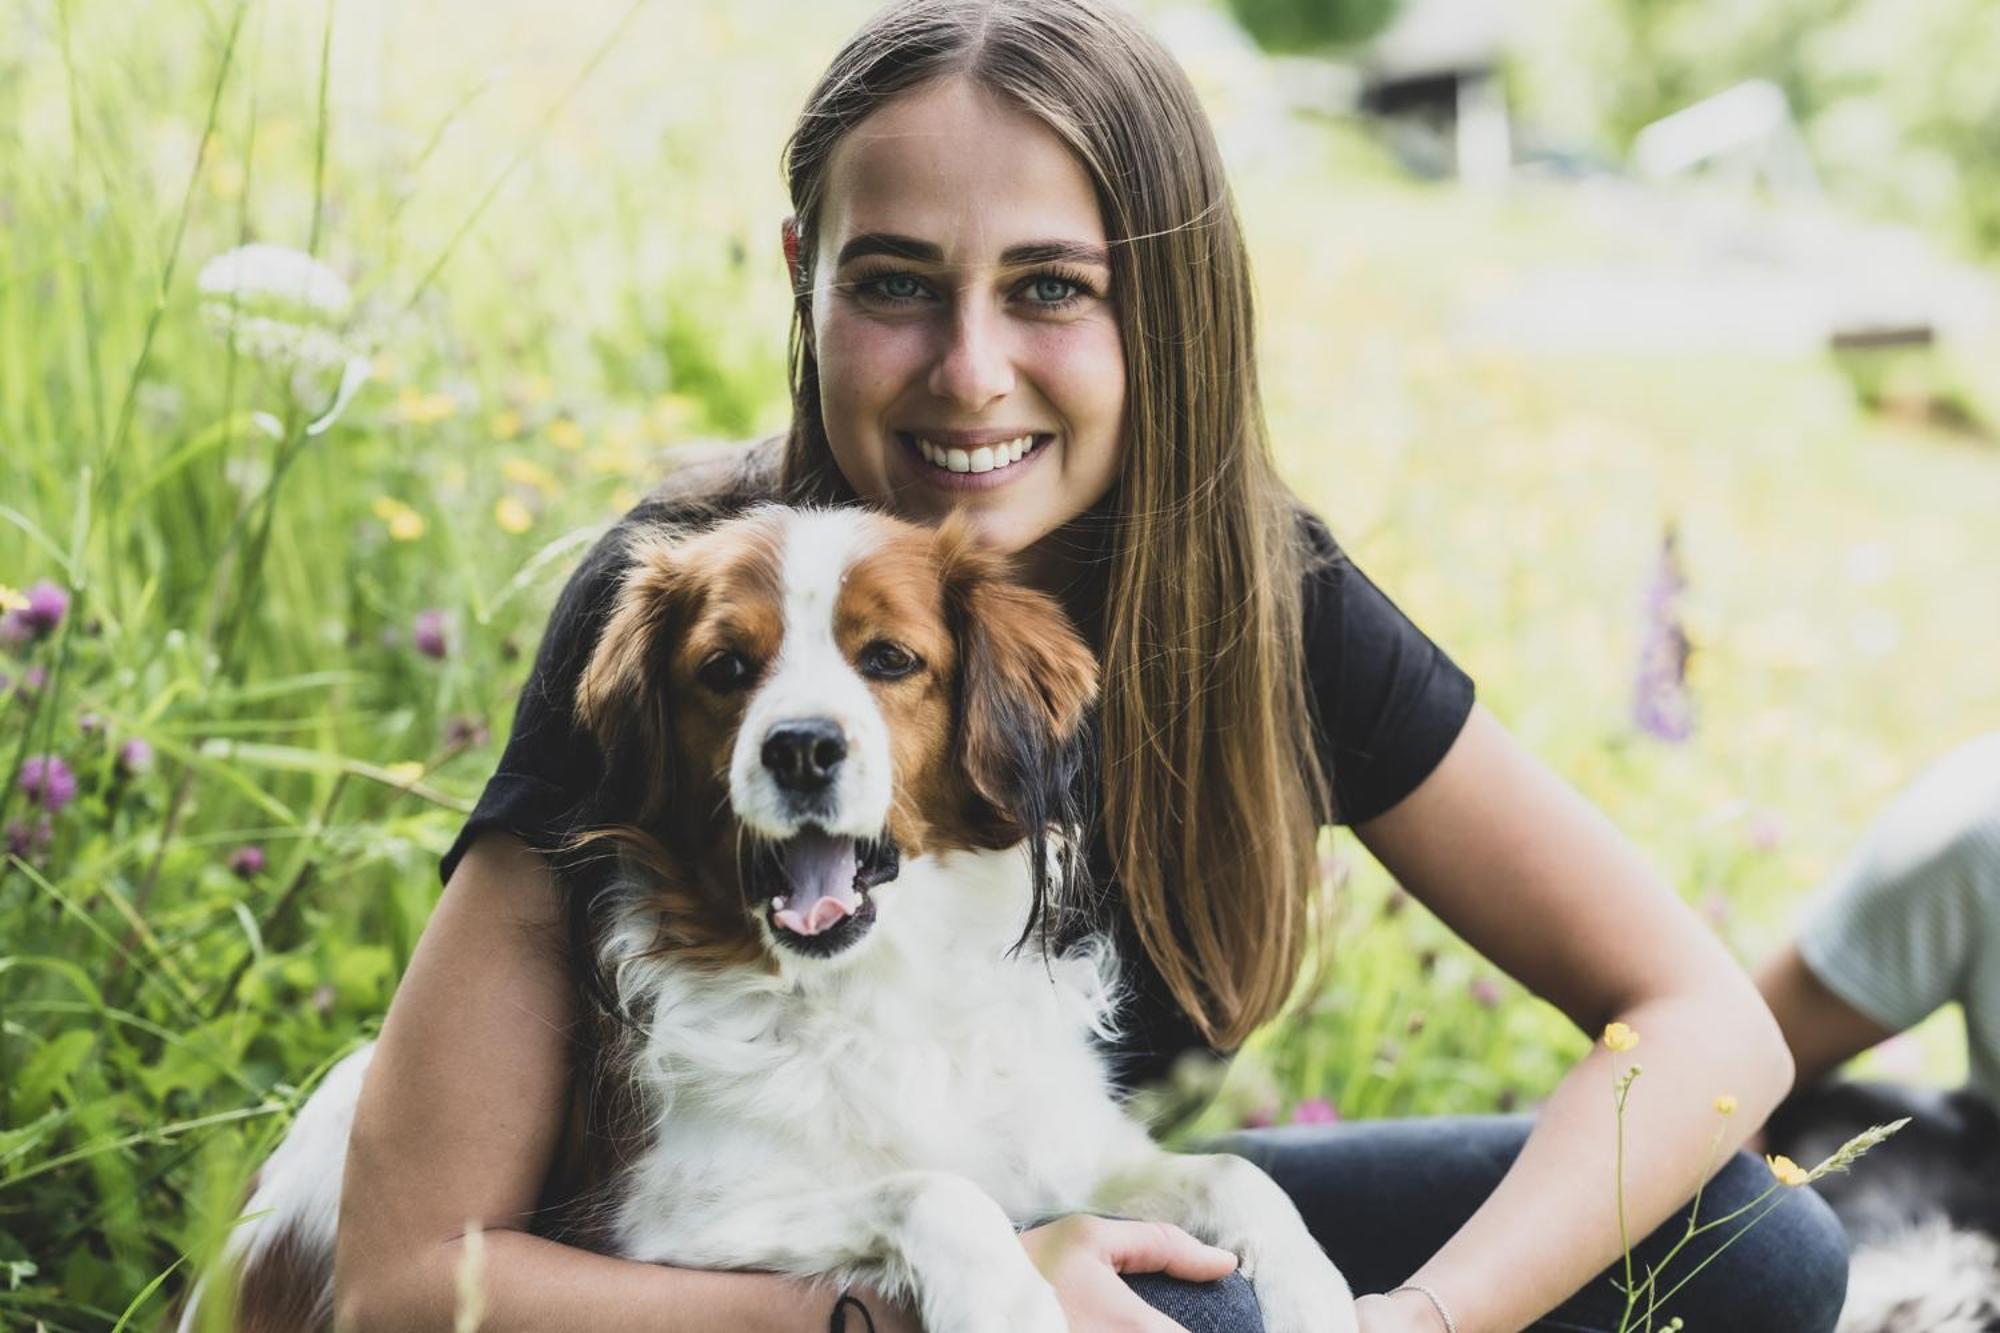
x,y
1911,921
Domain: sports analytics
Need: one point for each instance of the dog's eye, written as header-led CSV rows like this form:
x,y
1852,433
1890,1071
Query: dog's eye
x,y
724,672
882,660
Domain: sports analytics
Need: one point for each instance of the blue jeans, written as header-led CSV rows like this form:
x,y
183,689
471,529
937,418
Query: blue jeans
x,y
1382,1196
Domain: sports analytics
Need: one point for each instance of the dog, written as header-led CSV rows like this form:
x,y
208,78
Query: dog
x,y
853,746
1922,1210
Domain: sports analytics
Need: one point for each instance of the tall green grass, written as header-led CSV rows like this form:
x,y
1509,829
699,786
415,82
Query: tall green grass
x,y
560,237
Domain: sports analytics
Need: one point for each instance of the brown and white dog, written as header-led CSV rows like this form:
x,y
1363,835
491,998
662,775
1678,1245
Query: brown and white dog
x,y
858,1055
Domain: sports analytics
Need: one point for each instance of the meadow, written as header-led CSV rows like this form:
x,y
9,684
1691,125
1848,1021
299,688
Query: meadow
x,y
284,546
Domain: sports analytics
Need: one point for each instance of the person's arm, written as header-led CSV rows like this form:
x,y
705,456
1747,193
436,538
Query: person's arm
x,y
457,1123
1540,882
1823,1030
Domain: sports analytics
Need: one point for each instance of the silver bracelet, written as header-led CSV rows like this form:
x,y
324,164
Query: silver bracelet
x,y
1450,1326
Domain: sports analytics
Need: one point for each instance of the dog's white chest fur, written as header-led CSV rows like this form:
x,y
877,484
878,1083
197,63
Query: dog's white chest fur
x,y
931,1049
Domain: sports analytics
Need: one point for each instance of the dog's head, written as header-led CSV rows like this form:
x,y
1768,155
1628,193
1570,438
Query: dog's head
x,y
797,699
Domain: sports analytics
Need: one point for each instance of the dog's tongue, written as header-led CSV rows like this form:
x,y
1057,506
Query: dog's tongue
x,y
819,875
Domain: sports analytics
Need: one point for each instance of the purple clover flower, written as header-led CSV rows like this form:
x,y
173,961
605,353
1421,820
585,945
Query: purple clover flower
x,y
47,779
30,842
1661,704
135,757
247,862
47,605
1315,1111
427,634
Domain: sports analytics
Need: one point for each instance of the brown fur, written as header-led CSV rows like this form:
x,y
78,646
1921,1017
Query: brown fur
x,y
286,1288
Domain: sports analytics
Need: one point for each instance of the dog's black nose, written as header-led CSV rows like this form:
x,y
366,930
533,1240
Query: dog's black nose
x,y
805,754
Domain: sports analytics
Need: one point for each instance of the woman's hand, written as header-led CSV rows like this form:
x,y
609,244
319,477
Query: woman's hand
x,y
1409,1313
1082,1256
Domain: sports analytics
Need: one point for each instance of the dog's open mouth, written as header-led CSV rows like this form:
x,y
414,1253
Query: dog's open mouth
x,y
813,888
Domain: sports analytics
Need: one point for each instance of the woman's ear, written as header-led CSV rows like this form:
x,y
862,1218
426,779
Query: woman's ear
x,y
1026,681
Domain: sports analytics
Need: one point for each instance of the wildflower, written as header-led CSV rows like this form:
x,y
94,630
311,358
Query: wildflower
x,y
405,524
527,472
47,779
463,733
565,434
424,409
247,862
1620,1037
1725,1105
513,516
1786,1170
405,773
506,424
90,724
1765,831
135,757
427,634
1485,992
280,306
30,842
1661,704
35,614
1315,1111
12,600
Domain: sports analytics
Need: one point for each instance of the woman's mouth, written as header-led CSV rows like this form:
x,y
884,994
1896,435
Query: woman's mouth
x,y
955,467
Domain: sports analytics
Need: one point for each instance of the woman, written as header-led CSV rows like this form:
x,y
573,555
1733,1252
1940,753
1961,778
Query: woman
x,y
1011,219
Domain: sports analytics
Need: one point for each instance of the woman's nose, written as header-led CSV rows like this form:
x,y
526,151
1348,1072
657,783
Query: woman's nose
x,y
974,366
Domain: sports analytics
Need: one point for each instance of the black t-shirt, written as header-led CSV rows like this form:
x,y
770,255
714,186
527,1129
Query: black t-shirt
x,y
1387,701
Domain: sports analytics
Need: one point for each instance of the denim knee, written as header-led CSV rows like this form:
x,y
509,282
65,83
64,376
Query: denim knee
x,y
1787,1274
1225,1306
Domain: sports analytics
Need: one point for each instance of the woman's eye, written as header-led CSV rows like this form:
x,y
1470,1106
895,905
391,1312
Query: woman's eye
x,y
894,287
883,660
1054,291
724,672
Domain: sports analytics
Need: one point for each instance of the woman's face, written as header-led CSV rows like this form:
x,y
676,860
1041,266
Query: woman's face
x,y
962,317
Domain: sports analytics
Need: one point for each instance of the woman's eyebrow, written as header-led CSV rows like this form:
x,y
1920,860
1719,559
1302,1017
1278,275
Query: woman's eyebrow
x,y
1029,252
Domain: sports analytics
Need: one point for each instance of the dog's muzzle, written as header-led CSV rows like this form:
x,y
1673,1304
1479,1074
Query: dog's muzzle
x,y
814,888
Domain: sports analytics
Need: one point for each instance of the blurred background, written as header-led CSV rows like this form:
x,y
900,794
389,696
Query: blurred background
x,y
1642,349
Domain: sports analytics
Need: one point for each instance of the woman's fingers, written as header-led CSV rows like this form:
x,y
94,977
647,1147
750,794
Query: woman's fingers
x,y
1127,1246
1161,1247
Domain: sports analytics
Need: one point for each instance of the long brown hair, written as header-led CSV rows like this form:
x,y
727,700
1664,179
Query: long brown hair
x,y
1212,792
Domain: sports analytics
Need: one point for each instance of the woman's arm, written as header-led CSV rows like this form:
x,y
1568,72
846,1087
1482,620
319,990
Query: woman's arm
x,y
458,1121
1537,880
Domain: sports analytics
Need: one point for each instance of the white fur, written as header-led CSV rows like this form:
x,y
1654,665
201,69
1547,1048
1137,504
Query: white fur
x,y
811,678
1931,1279
892,1113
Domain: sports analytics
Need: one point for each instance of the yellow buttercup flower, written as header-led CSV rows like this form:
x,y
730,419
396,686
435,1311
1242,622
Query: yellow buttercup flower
x,y
506,424
423,409
1787,1171
405,524
527,472
1620,1037
513,516
565,434
1725,1105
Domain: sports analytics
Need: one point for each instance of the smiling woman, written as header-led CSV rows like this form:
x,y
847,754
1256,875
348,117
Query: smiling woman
x,y
1023,302
967,317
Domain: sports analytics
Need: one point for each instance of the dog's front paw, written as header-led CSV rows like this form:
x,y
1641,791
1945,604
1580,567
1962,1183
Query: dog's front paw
x,y
1300,1291
1001,1300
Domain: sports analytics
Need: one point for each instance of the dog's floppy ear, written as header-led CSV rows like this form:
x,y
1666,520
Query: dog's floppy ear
x,y
622,695
1026,682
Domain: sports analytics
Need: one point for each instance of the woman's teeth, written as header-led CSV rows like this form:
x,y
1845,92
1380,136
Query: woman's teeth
x,y
986,458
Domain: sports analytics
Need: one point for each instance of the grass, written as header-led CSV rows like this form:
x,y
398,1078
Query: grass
x,y
561,244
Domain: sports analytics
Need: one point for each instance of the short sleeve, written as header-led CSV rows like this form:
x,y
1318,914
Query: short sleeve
x,y
1907,923
1387,701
